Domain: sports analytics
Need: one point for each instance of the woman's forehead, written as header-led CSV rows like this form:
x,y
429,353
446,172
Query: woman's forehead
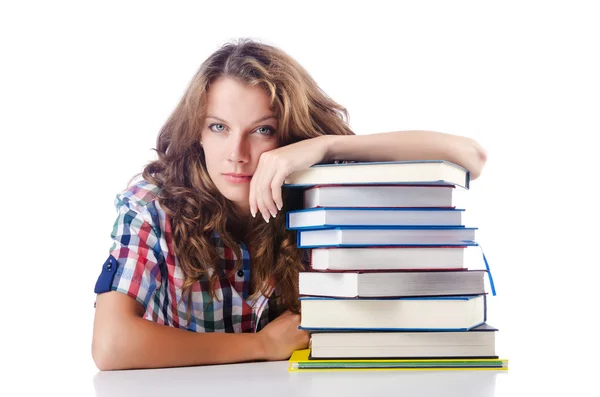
x,y
236,102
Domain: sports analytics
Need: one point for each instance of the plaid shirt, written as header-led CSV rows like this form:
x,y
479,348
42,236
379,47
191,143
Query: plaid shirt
x,y
142,265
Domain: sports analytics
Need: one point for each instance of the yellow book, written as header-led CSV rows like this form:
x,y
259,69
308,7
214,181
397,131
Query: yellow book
x,y
300,362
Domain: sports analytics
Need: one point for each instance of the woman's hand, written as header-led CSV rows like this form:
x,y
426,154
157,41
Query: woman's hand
x,y
275,165
281,337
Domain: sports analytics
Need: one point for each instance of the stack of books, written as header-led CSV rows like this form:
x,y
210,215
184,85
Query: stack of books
x,y
387,286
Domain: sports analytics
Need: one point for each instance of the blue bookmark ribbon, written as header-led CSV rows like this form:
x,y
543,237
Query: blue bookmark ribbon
x,y
487,266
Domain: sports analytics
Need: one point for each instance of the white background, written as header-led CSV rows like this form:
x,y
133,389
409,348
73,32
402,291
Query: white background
x,y
86,86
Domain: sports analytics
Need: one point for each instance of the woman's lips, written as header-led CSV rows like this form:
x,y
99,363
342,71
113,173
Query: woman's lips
x,y
238,178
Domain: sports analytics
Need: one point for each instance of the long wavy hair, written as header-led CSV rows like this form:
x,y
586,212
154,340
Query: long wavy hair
x,y
191,200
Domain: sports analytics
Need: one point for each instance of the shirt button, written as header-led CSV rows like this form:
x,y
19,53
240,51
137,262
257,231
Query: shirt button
x,y
240,273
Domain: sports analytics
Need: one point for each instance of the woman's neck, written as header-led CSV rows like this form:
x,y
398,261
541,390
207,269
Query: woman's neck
x,y
239,226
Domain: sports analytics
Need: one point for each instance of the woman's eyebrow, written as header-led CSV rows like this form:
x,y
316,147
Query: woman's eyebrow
x,y
257,121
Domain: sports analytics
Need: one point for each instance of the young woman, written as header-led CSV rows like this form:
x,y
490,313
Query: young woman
x,y
202,269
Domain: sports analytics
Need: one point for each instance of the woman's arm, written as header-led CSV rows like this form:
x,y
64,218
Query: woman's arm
x,y
408,145
124,340
275,165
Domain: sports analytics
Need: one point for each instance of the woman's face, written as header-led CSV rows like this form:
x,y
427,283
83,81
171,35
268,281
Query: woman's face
x,y
239,127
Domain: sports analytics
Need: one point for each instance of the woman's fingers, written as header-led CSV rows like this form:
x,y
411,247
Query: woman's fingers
x,y
276,183
261,197
266,194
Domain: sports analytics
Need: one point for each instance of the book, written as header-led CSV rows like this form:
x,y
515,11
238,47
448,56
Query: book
x,y
478,342
380,236
458,313
301,360
314,218
387,258
391,284
379,196
387,286
436,172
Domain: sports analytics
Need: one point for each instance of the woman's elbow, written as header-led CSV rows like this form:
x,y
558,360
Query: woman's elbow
x,y
105,353
111,346
114,334
476,157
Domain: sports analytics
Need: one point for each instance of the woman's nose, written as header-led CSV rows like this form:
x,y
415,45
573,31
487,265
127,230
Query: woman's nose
x,y
238,150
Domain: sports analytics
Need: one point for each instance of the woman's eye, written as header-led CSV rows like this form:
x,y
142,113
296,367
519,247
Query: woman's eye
x,y
216,127
265,130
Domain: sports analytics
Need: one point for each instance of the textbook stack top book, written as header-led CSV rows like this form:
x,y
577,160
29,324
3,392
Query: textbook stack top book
x,y
386,285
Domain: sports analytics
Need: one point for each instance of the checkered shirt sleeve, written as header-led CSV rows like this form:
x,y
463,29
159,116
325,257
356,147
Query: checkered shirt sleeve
x,y
132,267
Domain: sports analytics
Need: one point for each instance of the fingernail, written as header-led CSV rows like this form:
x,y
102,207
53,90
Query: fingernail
x,y
279,207
266,218
253,214
273,214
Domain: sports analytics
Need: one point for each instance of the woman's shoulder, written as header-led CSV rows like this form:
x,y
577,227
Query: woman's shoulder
x,y
140,195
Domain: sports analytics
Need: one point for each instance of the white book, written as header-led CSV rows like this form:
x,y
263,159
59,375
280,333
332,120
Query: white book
x,y
387,258
391,284
478,342
436,172
378,196
385,236
432,313
333,217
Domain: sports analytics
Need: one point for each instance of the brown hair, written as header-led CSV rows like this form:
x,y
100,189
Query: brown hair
x,y
192,201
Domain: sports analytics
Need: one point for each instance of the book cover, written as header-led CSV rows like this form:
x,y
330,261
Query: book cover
x,y
331,217
416,172
378,196
386,236
435,313
355,284
300,360
386,258
478,342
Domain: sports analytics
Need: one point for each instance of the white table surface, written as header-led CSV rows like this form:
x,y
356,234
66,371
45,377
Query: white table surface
x,y
273,378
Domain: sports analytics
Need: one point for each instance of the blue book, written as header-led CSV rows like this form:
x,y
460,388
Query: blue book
x,y
373,236
444,313
326,218
425,172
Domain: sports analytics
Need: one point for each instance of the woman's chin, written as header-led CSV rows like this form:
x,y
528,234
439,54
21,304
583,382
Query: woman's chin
x,y
240,202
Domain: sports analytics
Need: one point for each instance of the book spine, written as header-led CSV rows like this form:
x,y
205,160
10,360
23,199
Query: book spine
x,y
485,308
